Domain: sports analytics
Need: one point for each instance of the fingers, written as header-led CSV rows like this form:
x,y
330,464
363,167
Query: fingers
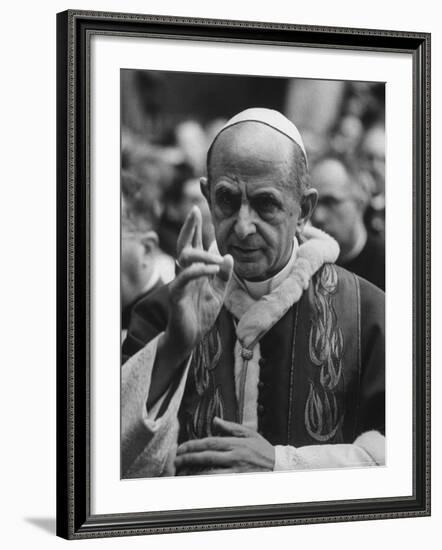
x,y
187,233
205,458
190,256
226,268
193,272
207,444
220,282
231,428
197,241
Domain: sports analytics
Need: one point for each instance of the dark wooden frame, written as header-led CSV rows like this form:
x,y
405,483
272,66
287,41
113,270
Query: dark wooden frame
x,y
74,29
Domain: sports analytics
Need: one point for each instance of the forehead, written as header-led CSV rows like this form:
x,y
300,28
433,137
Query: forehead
x,y
251,149
330,177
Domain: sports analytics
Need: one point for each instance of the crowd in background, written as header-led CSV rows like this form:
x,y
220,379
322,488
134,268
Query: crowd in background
x,y
161,165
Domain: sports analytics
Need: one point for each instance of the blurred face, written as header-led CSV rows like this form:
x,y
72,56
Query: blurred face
x,y
337,212
132,253
253,203
373,156
136,266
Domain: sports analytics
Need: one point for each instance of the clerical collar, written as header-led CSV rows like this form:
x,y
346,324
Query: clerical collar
x,y
258,289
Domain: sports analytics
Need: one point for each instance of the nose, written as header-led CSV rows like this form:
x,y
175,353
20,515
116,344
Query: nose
x,y
245,224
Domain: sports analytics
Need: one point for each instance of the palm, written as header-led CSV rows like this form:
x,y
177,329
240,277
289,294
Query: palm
x,y
200,307
198,292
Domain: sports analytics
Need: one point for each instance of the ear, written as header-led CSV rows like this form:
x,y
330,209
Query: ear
x,y
308,204
204,184
149,240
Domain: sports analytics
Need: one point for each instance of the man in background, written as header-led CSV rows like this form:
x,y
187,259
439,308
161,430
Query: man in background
x,y
342,202
144,267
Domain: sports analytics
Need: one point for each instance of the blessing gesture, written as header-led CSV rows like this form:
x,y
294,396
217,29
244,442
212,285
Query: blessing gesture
x,y
195,300
197,293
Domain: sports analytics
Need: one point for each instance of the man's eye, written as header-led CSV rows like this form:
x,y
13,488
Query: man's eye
x,y
265,205
227,201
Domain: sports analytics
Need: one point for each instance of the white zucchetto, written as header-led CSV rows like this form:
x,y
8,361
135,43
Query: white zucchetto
x,y
269,117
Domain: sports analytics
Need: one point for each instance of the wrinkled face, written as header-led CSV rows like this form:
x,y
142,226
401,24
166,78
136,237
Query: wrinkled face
x,y
337,211
252,199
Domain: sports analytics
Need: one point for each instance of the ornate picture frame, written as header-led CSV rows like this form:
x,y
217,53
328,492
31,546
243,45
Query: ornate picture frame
x,y
75,216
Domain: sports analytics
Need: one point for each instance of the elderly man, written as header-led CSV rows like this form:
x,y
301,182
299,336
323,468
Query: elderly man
x,y
261,355
340,212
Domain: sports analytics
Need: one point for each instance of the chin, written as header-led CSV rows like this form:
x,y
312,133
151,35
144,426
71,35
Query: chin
x,y
249,271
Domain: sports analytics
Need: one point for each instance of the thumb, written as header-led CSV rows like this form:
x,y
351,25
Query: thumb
x,y
230,428
222,278
226,268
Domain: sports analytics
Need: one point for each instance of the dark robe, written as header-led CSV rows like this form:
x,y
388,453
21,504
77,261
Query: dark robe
x,y
126,312
370,262
321,369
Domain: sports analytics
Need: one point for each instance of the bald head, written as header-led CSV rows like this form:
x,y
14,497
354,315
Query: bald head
x,y
333,176
254,146
330,174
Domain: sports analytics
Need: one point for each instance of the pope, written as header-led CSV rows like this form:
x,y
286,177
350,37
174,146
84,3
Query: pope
x,y
262,354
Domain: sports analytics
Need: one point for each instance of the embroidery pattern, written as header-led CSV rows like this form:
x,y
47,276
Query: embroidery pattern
x,y
326,346
210,403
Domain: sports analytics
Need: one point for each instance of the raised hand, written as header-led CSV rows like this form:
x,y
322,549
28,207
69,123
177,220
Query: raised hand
x,y
197,293
195,300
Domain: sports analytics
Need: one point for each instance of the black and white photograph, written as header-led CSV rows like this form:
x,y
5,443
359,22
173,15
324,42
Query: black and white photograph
x,y
252,274
243,275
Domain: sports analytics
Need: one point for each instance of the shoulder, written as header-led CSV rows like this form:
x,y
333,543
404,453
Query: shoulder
x,y
341,279
346,286
356,303
370,304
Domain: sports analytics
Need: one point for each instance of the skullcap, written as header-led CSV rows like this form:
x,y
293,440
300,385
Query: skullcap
x,y
271,118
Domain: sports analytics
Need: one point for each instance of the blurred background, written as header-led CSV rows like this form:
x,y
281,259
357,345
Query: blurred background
x,y
168,121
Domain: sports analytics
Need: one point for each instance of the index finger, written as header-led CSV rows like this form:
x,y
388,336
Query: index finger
x,y
197,241
185,238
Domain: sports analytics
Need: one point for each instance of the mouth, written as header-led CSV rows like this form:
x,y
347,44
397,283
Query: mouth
x,y
244,252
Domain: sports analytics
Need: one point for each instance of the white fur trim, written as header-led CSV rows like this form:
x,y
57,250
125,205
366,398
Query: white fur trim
x,y
373,443
367,450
